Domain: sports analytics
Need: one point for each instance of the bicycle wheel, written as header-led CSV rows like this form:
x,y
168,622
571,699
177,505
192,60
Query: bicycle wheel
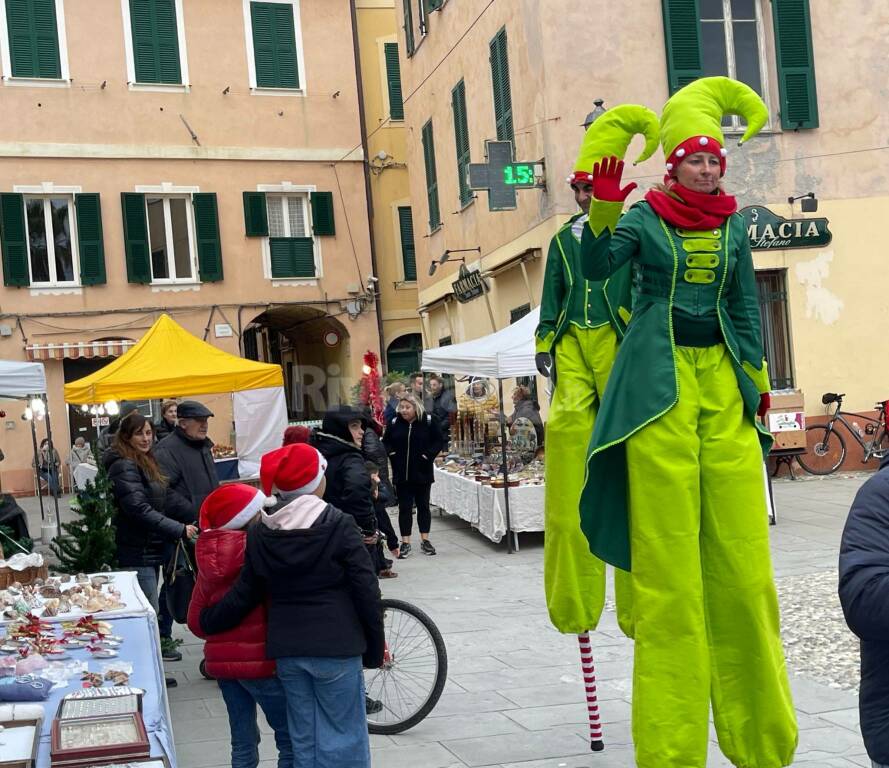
x,y
411,680
825,453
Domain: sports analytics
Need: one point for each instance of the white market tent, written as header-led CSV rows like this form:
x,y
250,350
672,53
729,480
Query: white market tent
x,y
502,355
21,380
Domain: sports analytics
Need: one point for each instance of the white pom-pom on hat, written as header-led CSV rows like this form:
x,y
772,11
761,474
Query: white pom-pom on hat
x,y
704,141
723,152
669,166
680,152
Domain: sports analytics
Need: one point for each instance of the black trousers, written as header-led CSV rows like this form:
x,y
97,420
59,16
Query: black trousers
x,y
385,525
408,495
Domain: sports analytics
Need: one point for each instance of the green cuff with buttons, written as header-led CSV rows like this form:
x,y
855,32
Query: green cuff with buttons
x,y
604,215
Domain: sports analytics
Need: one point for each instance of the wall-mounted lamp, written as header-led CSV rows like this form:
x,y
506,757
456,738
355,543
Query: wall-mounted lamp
x,y
446,256
598,111
809,202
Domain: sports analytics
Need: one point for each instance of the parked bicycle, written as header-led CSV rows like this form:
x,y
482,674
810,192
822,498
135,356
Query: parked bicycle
x,y
415,668
828,448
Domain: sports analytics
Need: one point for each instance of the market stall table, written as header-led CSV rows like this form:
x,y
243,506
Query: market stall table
x,y
84,473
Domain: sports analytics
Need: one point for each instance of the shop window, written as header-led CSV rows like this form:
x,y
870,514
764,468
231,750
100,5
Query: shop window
x,y
274,44
156,53
771,286
445,341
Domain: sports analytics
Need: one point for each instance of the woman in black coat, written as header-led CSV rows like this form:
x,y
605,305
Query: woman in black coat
x,y
142,531
413,440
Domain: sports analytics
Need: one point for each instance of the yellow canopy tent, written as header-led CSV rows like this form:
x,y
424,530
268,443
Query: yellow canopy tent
x,y
169,361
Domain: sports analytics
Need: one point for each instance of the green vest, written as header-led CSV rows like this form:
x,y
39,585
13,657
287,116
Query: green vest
x,y
694,289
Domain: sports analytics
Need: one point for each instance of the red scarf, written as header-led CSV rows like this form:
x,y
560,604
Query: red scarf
x,y
695,210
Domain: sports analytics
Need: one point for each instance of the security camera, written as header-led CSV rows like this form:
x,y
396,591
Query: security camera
x,y
373,279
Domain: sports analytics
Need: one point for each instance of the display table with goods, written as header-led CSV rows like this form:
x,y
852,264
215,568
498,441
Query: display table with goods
x,y
81,679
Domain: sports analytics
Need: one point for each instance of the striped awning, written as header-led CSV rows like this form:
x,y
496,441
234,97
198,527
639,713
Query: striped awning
x,y
78,349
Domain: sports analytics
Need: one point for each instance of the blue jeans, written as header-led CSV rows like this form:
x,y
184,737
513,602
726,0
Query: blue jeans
x,y
241,698
326,711
148,576
52,480
878,765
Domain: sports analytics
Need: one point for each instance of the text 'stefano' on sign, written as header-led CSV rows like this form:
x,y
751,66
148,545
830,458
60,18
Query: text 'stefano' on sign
x,y
767,230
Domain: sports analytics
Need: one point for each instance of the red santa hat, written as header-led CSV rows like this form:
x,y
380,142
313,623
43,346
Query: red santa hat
x,y
580,177
231,507
295,470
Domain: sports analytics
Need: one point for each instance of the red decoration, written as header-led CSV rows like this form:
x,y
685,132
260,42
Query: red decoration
x,y
369,394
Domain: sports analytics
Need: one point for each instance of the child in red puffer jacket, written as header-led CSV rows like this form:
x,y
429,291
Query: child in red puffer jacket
x,y
237,658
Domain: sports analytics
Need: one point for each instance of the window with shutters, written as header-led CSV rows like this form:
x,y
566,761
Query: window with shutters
x,y
410,44
502,91
406,237
461,139
771,285
171,238
50,232
274,45
732,45
35,46
431,177
297,217
395,103
155,44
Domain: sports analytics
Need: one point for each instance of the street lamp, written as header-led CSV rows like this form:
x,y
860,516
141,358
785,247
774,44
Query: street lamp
x,y
446,256
598,111
809,202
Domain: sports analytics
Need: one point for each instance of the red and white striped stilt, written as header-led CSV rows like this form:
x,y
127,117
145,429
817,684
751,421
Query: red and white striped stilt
x,y
592,700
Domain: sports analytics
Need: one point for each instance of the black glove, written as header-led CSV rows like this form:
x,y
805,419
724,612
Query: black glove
x,y
544,363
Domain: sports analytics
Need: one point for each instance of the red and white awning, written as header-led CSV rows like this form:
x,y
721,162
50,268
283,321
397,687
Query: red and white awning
x,y
78,349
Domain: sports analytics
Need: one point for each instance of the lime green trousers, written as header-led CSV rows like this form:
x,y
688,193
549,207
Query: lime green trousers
x,y
574,580
705,606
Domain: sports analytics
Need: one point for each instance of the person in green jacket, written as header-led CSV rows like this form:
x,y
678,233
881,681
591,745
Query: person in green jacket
x,y
674,489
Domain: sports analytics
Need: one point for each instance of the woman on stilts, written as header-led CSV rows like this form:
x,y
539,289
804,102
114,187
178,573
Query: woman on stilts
x,y
674,490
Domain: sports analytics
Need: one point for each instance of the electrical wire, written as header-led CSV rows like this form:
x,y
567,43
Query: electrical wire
x,y
348,226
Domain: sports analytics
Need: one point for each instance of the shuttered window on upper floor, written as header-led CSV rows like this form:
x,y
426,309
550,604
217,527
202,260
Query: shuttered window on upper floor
x,y
393,81
275,54
502,90
408,251
461,140
409,42
727,37
33,32
155,36
431,177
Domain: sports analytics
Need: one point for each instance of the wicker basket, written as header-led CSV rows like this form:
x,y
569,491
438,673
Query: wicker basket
x,y
9,576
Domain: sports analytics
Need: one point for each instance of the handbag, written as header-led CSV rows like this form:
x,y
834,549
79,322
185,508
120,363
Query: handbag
x,y
179,578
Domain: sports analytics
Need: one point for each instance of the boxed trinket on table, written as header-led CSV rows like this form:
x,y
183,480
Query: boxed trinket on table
x,y
19,734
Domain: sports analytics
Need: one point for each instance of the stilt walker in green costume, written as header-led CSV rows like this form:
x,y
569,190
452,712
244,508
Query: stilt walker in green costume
x,y
674,489
580,326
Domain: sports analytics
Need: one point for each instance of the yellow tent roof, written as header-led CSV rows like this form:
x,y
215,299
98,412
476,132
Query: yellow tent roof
x,y
168,361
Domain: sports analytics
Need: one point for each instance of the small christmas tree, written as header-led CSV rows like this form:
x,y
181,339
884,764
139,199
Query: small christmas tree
x,y
369,388
87,545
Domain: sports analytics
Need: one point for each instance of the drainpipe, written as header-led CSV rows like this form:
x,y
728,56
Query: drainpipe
x,y
370,209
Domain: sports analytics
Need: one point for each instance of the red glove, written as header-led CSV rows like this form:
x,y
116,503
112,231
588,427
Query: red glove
x,y
765,403
606,181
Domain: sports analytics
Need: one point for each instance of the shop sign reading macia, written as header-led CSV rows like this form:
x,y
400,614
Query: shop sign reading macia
x,y
767,230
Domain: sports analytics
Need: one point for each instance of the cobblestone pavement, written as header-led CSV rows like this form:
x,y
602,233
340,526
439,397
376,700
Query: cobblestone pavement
x,y
514,697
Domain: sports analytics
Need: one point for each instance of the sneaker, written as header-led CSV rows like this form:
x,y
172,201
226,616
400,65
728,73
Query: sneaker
x,y
372,706
426,547
170,649
171,682
404,550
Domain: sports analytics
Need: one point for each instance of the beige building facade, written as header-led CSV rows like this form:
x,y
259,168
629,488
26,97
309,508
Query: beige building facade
x,y
530,72
196,157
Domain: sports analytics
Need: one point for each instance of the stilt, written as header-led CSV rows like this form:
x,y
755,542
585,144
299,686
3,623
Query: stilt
x,y
592,700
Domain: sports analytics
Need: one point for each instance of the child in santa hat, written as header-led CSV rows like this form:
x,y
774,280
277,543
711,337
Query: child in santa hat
x,y
237,658
308,560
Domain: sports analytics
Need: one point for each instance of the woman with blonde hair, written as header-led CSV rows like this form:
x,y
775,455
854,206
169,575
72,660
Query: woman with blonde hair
x,y
413,440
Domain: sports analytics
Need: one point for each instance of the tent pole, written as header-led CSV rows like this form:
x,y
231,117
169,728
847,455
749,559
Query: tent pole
x,y
52,459
37,468
504,466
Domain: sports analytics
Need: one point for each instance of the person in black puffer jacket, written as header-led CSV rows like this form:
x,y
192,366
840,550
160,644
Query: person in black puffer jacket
x,y
348,483
413,440
375,453
143,531
864,594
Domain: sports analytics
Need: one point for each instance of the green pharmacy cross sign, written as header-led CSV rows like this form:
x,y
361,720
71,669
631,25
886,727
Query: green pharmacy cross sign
x,y
767,230
501,176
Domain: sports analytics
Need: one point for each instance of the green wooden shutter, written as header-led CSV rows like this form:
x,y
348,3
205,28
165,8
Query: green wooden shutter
x,y
274,45
14,240
90,239
408,252
135,235
256,217
502,89
155,41
431,177
682,35
461,139
33,38
796,64
292,256
434,5
393,78
206,221
408,28
322,213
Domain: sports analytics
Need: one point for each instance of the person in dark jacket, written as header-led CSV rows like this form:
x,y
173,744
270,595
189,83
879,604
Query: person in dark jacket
x,y
864,594
348,484
144,526
308,561
441,404
237,658
384,494
167,422
187,462
395,391
524,407
413,440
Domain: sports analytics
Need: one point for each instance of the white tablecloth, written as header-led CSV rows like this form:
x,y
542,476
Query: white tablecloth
x,y
484,508
82,473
